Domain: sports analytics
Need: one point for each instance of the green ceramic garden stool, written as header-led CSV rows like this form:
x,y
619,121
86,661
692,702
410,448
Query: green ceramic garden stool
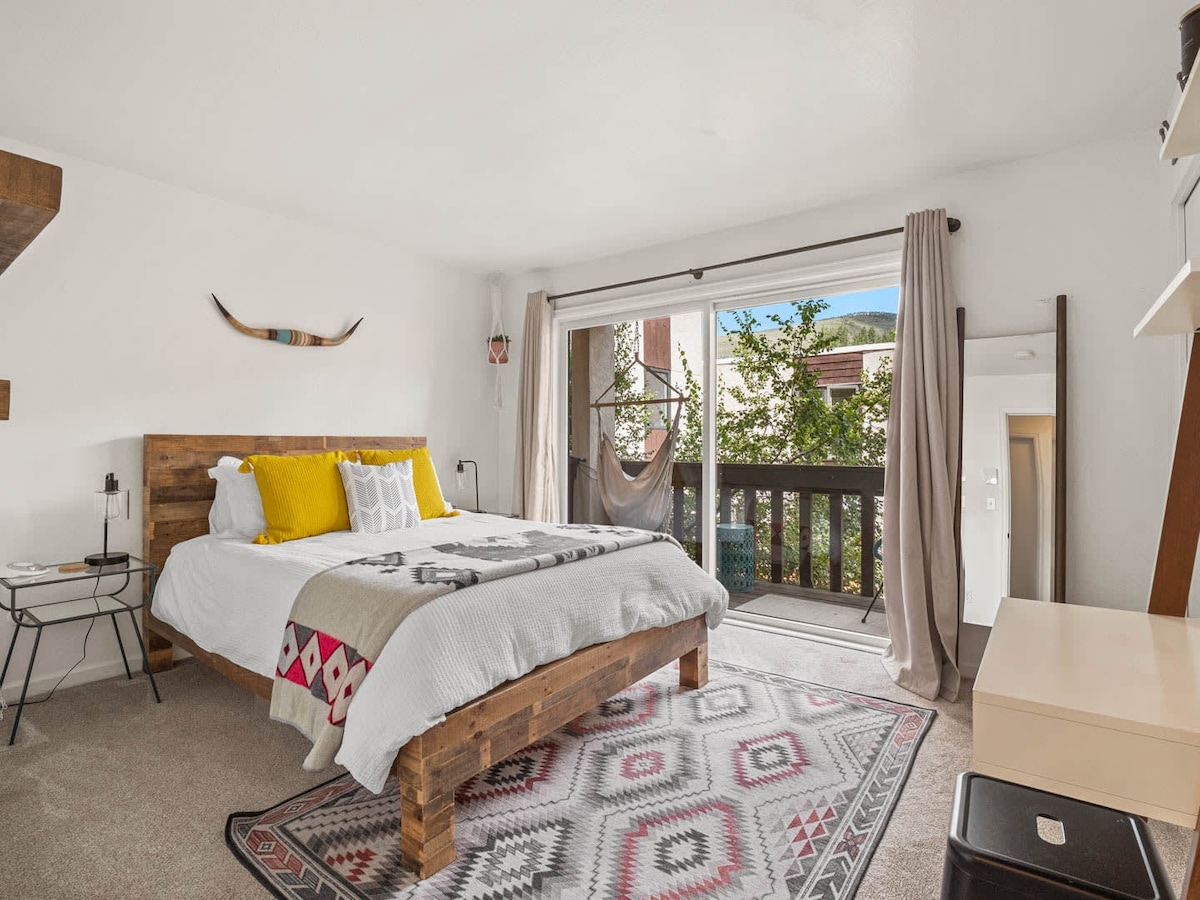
x,y
735,556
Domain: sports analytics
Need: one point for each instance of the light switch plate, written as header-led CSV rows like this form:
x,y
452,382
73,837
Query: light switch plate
x,y
991,503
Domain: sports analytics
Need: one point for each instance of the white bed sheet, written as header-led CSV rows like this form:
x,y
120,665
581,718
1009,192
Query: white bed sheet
x,y
233,598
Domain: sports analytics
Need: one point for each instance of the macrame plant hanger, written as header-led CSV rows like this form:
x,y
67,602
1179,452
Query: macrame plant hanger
x,y
497,327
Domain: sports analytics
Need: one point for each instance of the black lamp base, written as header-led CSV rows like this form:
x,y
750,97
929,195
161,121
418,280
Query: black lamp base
x,y
98,560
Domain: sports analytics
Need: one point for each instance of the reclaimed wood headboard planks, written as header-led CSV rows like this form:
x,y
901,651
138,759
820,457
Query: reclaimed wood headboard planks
x,y
177,492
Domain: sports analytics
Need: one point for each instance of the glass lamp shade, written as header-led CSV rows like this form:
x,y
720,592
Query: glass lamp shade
x,y
110,505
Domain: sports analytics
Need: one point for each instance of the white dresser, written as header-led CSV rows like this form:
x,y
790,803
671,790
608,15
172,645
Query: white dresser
x,y
1098,704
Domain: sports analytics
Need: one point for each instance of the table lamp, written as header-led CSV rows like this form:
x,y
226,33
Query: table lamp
x,y
460,478
109,504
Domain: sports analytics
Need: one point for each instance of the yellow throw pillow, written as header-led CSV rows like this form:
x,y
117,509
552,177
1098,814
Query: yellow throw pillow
x,y
425,481
301,495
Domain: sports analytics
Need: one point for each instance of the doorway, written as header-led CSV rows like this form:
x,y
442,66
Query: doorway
x,y
1030,505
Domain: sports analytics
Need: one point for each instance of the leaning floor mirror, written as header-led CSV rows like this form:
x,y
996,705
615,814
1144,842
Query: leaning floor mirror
x,y
1013,527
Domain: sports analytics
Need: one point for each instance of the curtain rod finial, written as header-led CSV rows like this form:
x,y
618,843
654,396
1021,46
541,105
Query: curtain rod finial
x,y
696,273
953,225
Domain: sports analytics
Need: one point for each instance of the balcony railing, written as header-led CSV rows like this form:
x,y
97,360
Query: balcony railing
x,y
783,503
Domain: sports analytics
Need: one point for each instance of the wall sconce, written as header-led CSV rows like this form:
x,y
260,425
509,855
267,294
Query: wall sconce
x,y
460,477
5,396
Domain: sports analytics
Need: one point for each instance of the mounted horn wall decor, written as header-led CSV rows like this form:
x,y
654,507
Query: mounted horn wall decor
x,y
286,335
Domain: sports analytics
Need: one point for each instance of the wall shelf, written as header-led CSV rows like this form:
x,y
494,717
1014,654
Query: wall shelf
x,y
1183,138
30,194
1177,310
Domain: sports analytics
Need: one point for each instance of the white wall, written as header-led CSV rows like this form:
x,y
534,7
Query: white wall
x,y
1091,222
107,332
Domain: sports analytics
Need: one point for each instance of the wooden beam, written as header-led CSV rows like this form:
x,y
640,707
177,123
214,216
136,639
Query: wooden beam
x,y
5,398
804,537
30,195
1181,519
835,541
866,540
252,681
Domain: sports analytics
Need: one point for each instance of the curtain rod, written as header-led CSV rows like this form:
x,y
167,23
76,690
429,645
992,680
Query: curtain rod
x,y
698,273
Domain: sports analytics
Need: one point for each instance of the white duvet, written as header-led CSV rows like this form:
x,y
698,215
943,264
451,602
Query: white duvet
x,y
233,598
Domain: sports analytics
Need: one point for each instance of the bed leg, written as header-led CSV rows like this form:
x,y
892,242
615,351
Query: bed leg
x,y
159,650
426,815
693,666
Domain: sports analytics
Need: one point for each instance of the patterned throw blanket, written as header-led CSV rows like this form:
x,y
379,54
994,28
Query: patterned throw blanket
x,y
343,617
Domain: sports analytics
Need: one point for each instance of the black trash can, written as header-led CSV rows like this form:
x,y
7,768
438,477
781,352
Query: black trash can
x,y
1088,852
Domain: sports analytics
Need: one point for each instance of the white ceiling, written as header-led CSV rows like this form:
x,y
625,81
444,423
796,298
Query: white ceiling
x,y
526,133
998,355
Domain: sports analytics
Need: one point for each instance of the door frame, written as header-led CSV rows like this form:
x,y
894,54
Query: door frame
x,y
1006,470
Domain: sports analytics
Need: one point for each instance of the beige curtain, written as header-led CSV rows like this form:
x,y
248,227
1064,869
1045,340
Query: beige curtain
x,y
535,494
920,562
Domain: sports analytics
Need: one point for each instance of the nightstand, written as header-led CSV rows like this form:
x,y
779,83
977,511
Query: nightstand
x,y
103,600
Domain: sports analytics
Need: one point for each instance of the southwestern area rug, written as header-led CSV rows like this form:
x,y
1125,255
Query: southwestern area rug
x,y
756,786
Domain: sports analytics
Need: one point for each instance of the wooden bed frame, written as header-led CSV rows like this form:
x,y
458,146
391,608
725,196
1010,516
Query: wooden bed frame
x,y
176,495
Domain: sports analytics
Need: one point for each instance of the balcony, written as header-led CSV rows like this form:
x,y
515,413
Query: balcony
x,y
814,528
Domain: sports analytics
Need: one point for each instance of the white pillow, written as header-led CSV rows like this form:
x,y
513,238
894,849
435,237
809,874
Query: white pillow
x,y
220,517
380,498
237,510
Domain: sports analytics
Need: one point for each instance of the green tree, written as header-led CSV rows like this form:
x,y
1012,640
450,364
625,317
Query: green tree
x,y
630,422
771,408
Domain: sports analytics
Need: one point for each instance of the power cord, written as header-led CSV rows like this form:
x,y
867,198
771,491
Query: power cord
x,y
58,683
83,656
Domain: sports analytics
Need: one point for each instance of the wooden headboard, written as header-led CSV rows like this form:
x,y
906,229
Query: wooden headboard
x,y
176,489
177,492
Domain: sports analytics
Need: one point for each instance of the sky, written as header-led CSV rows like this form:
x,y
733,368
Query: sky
x,y
881,300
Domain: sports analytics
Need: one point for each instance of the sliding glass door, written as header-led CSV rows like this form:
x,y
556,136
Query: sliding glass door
x,y
776,392
801,414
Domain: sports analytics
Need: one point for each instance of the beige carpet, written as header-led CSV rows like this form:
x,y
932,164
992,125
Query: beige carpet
x,y
119,797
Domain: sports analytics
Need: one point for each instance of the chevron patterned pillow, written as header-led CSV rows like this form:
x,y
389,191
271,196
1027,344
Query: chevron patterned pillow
x,y
380,498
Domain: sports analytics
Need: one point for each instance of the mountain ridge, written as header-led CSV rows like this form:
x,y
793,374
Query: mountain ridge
x,y
862,328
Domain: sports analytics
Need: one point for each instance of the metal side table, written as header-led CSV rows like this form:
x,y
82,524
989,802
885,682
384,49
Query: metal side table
x,y
104,600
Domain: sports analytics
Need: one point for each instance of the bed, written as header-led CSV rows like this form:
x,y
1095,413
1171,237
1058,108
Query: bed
x,y
435,752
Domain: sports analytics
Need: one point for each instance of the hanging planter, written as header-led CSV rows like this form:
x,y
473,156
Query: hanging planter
x,y
498,349
498,342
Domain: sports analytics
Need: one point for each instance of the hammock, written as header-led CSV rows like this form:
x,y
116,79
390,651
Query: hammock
x,y
643,500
